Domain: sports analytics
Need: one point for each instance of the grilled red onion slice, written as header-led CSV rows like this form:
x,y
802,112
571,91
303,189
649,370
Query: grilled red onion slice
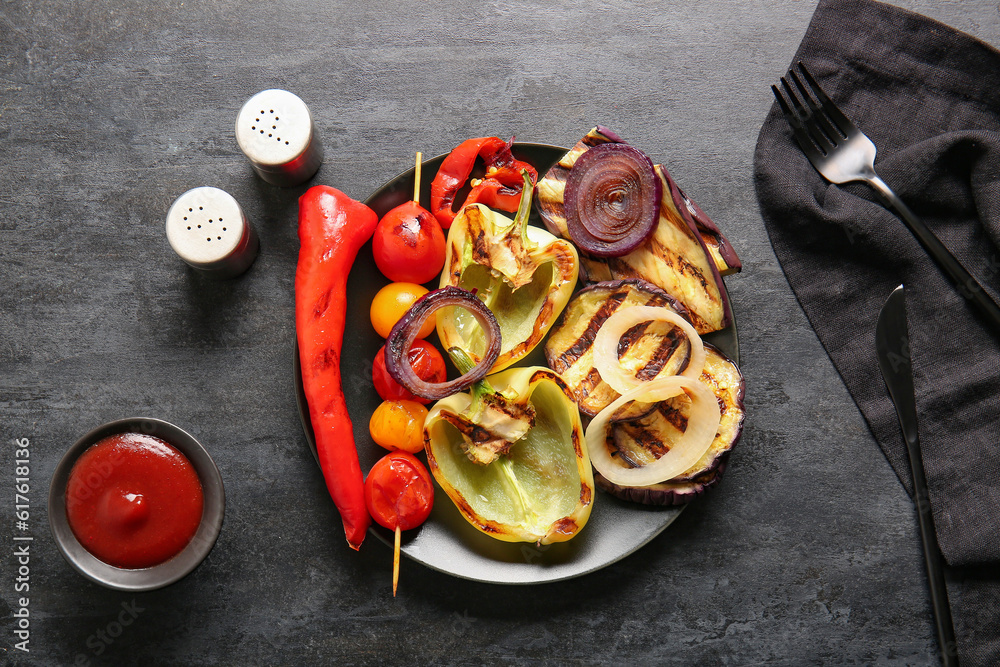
x,y
612,200
405,332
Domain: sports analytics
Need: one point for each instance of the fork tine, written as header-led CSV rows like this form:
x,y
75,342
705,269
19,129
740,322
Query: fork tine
x,y
842,122
811,135
798,130
820,126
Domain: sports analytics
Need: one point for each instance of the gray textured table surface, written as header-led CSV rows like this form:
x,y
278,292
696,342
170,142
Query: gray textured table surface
x,y
806,554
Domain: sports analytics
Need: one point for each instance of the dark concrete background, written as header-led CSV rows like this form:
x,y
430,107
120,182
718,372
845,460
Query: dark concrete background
x,y
806,554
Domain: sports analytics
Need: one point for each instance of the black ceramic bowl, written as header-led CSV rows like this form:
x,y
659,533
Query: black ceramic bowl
x,y
166,573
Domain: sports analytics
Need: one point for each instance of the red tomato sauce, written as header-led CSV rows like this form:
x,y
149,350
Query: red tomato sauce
x,y
133,501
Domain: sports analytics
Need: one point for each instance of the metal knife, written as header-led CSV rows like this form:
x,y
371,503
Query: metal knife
x,y
892,345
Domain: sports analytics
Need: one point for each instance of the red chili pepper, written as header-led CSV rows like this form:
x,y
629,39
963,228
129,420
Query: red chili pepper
x,y
332,228
500,188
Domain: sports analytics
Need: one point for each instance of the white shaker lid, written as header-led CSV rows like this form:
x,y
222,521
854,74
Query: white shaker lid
x,y
275,130
207,229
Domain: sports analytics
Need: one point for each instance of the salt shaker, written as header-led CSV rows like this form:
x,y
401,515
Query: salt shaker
x,y
275,130
207,229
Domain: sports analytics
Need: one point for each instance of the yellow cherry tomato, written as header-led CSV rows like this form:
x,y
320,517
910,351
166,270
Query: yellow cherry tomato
x,y
399,425
392,302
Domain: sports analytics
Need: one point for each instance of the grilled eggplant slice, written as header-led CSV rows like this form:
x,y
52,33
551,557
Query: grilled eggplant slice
x,y
718,246
641,441
686,256
650,349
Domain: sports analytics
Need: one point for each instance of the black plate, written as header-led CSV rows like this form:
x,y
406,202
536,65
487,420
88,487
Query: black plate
x,y
447,542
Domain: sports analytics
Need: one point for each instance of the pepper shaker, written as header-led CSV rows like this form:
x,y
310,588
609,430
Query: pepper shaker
x,y
207,229
275,130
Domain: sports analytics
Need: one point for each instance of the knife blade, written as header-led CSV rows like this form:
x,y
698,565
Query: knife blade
x,y
892,346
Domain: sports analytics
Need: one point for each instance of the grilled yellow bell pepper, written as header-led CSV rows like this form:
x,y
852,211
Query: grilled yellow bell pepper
x,y
524,274
526,475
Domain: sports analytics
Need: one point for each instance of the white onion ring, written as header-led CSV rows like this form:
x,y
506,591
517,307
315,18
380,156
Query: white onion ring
x,y
613,328
702,426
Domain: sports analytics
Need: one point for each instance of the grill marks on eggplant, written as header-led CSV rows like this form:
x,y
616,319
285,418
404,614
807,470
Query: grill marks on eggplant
x,y
583,343
666,350
648,349
675,260
597,136
717,245
686,256
550,190
641,441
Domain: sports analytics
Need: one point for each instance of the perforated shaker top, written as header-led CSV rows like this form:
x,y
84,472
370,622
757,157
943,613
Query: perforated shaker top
x,y
274,129
207,229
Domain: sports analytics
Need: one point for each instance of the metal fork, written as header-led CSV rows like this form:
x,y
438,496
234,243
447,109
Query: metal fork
x,y
841,153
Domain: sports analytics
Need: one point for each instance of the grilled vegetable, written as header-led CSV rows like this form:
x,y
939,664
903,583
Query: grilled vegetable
x,y
650,350
408,328
493,421
399,495
677,256
332,229
391,303
522,273
621,322
696,439
500,188
541,489
398,425
640,442
612,200
408,244
718,246
426,362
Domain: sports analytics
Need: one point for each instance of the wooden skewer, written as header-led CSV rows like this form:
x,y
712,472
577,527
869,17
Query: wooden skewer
x,y
416,177
395,554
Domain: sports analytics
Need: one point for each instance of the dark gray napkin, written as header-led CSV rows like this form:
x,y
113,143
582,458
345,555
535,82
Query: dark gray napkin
x,y
929,97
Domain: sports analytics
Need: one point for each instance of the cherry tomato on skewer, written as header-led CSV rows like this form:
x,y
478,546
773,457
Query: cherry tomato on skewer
x,y
408,244
399,495
391,303
399,425
426,362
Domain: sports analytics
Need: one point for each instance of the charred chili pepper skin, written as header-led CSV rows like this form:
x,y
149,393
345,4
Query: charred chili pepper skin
x,y
501,188
332,229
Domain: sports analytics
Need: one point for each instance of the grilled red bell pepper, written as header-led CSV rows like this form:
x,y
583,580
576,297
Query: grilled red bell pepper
x,y
499,189
332,228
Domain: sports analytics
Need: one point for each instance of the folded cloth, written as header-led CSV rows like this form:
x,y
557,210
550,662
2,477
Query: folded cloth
x,y
929,98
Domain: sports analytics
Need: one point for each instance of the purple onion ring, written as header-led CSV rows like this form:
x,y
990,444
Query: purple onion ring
x,y
404,333
612,200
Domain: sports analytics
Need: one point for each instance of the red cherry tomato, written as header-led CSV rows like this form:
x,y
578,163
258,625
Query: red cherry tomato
x,y
399,492
427,363
408,244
